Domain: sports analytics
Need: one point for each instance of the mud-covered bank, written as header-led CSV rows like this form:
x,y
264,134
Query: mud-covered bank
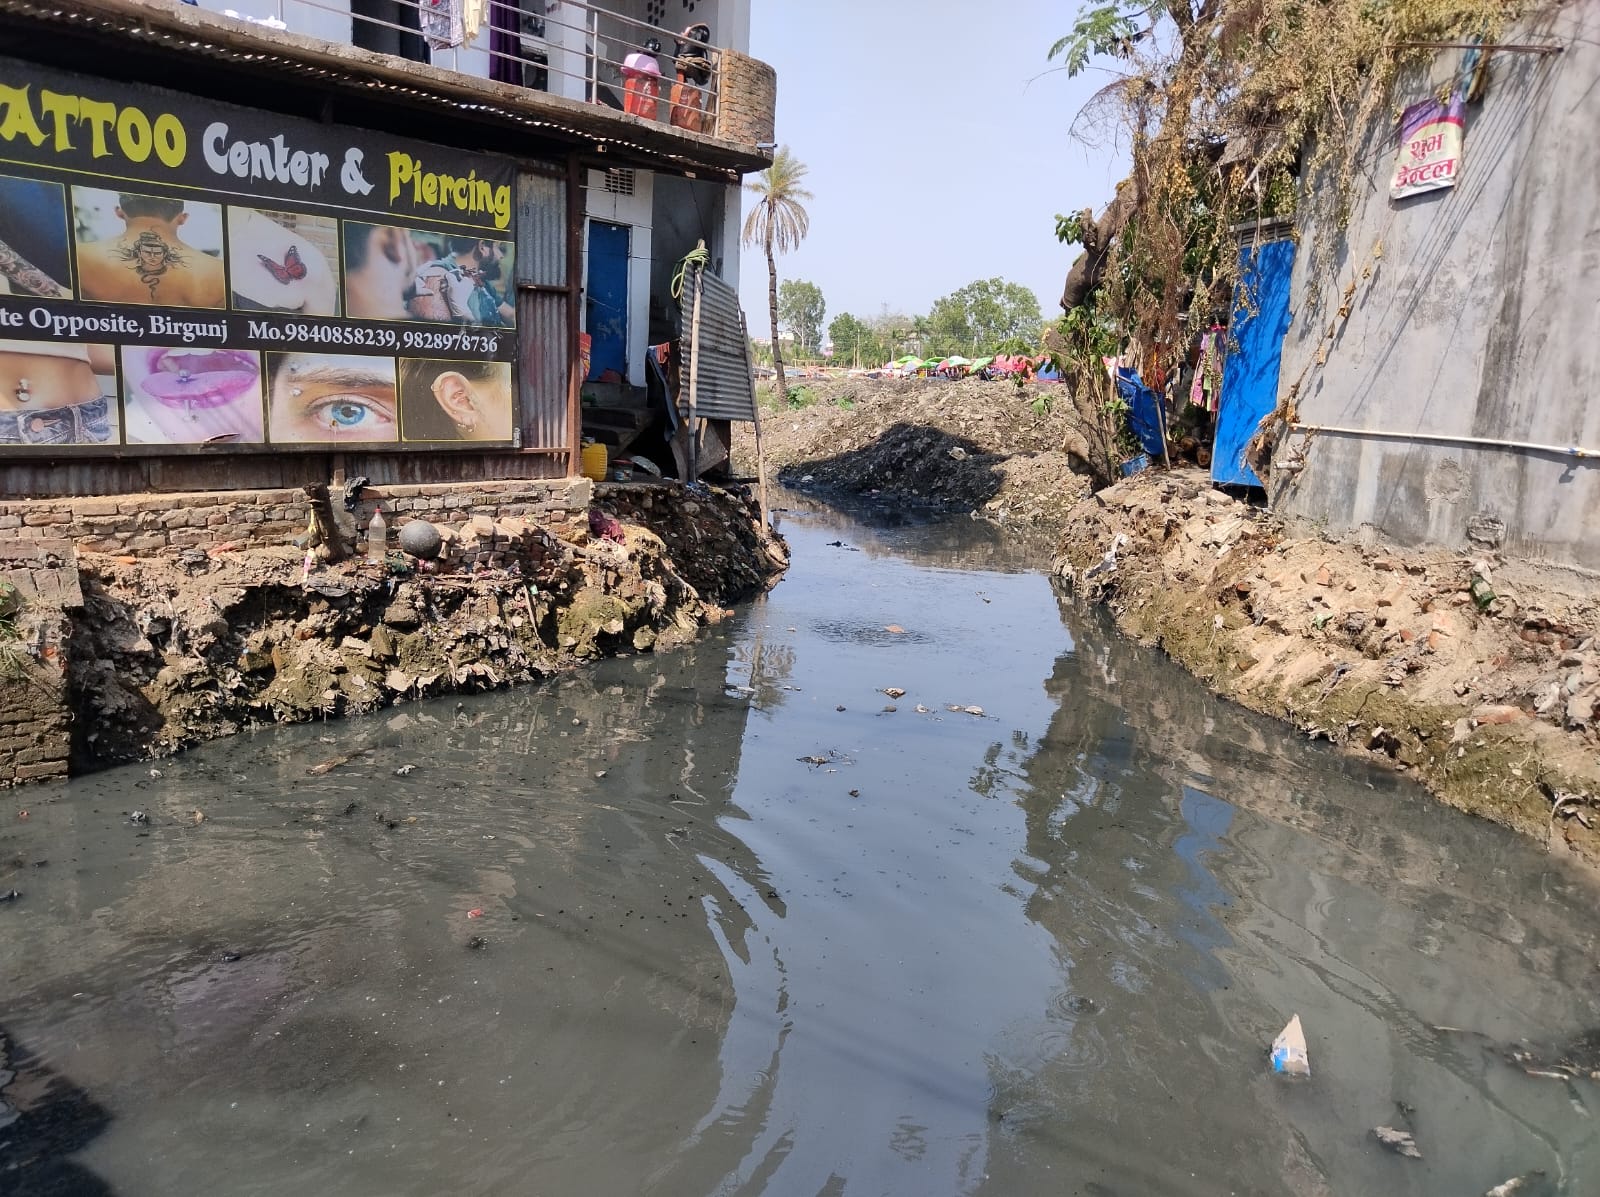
x,y
172,649
1484,690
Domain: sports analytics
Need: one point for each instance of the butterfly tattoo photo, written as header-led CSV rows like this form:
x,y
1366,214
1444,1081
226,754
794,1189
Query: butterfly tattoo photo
x,y
290,270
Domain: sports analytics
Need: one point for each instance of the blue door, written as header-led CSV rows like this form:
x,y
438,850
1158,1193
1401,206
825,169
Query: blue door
x,y
1250,373
606,298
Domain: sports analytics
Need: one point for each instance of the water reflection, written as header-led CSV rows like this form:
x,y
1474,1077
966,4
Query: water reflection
x,y
722,921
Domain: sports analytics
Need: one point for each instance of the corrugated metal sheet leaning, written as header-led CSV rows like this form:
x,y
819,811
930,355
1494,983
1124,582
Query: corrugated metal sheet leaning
x,y
725,386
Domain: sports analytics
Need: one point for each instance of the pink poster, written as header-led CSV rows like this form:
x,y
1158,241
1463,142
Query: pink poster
x,y
1430,147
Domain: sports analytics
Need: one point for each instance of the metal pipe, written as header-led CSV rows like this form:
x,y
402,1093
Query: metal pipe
x,y
1520,48
1448,439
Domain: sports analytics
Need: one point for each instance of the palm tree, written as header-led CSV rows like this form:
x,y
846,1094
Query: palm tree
x,y
778,223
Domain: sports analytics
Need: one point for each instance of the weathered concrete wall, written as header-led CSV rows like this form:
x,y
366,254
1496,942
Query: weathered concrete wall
x,y
1478,320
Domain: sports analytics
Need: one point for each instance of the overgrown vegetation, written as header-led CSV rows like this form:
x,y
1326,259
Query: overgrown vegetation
x,y
1229,108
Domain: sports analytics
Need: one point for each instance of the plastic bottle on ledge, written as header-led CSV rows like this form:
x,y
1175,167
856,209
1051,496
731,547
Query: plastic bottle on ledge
x,y
377,538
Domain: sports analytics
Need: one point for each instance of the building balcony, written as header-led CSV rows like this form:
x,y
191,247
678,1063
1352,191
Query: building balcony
x,y
606,78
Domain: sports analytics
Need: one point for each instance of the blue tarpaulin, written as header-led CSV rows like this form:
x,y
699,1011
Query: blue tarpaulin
x,y
1250,374
1144,411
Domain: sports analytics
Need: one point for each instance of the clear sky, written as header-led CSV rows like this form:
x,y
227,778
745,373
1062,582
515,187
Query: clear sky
x,y
936,134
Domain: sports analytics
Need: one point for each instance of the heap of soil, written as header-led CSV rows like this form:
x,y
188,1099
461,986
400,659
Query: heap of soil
x,y
986,447
1490,701
174,649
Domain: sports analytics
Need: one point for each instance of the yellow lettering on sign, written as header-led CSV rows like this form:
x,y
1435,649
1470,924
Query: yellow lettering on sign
x,y
18,120
132,131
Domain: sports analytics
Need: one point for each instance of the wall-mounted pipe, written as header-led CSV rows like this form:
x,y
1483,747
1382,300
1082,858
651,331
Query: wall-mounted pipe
x,y
1444,438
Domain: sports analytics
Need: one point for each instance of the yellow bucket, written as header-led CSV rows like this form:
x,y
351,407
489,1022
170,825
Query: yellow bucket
x,y
594,462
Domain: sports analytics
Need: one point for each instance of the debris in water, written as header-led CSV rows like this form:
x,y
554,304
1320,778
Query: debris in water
x,y
477,943
1517,1184
349,809
475,913
855,793
839,708
10,895
812,760
333,762
405,770
138,816
22,814
1289,1054
1398,1141
978,711
894,629
199,817
157,774
230,957
922,710
893,692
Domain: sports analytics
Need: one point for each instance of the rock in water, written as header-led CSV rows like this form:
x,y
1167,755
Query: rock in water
x,y
1398,1141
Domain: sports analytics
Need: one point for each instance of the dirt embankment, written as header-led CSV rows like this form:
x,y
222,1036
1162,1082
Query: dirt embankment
x,y
966,446
1487,692
1490,702
174,649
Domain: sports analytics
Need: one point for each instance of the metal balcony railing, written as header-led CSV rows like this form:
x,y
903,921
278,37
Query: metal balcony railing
x,y
579,51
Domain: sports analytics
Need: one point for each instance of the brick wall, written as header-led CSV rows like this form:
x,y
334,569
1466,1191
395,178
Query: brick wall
x,y
747,98
136,524
40,585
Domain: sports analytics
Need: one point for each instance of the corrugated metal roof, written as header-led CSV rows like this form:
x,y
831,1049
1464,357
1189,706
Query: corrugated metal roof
x,y
725,388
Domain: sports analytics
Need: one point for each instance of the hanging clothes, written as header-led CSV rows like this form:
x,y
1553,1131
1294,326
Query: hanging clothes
x,y
443,24
1206,388
473,15
516,50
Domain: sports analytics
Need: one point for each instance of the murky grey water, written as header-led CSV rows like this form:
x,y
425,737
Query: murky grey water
x,y
1036,951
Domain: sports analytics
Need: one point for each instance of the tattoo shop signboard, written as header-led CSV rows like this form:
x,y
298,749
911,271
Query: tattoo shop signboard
x,y
180,273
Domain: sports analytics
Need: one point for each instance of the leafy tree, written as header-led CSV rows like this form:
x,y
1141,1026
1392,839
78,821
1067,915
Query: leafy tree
x,y
778,223
981,316
855,342
801,308
1104,29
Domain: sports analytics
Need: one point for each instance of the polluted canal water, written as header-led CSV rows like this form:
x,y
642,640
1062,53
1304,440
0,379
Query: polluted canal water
x,y
733,920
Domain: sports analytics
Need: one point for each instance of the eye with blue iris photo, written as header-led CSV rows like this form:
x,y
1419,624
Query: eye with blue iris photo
x,y
322,398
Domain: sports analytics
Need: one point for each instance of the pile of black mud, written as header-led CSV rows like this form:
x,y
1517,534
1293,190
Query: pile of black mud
x,y
1006,453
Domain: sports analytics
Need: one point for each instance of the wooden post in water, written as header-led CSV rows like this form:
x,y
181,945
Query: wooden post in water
x,y
761,453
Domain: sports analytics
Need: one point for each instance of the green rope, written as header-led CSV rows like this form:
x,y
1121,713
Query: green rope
x,y
696,257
